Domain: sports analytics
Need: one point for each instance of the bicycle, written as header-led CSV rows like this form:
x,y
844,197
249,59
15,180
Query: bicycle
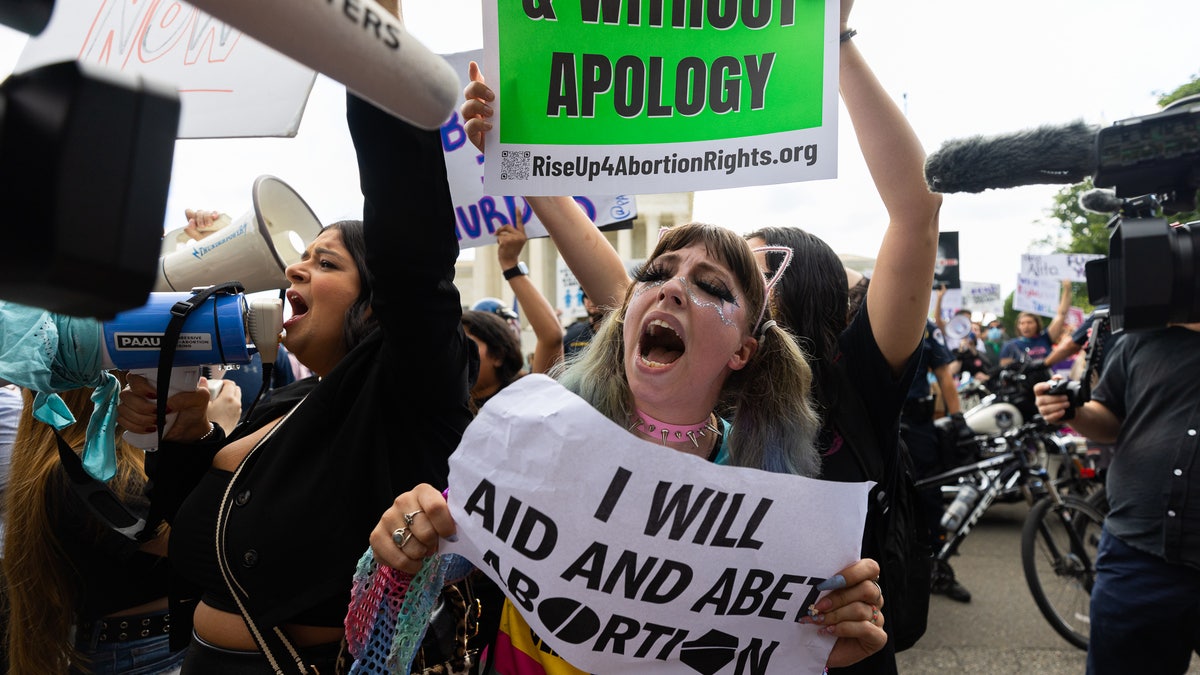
x,y
1061,532
1059,542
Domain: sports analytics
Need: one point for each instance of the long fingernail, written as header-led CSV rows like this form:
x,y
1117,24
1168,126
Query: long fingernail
x,y
832,583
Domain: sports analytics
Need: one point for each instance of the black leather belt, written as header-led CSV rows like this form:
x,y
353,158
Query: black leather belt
x,y
124,628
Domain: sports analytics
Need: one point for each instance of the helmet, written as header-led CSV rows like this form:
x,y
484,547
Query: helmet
x,y
495,306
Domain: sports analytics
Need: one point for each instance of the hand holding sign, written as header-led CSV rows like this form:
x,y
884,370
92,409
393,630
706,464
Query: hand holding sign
x,y
475,109
410,529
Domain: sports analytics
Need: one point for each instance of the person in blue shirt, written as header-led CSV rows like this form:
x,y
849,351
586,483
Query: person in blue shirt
x,y
1032,343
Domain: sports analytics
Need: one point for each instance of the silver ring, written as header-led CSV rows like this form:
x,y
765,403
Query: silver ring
x,y
400,537
408,517
879,596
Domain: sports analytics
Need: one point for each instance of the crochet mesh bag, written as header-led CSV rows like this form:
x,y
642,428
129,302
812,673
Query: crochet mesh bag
x,y
390,610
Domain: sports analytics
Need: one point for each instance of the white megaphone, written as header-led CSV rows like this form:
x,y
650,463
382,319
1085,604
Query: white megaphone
x,y
254,249
956,329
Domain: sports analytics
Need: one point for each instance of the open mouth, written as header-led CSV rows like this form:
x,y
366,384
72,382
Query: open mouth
x,y
660,345
298,305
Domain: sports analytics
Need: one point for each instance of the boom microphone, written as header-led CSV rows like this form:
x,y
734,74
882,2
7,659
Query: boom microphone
x,y
1046,154
1099,200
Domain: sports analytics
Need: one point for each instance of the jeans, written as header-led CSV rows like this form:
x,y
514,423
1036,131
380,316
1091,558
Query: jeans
x,y
1145,612
144,656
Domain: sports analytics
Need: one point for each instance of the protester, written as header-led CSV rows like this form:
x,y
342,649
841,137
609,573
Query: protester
x,y
292,493
580,333
687,333
1032,343
863,365
83,597
1144,615
510,241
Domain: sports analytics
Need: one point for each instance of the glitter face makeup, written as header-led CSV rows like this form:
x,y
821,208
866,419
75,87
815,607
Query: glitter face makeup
x,y
697,297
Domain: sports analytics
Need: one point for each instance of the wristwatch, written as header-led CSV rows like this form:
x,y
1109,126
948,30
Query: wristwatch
x,y
517,271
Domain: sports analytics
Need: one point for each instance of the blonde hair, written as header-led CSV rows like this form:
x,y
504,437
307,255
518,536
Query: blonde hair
x,y
776,424
42,587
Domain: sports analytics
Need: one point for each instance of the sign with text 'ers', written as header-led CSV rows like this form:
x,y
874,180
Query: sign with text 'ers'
x,y
625,556
608,97
229,84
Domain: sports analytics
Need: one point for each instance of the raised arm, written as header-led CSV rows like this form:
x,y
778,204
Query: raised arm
x,y
593,261
589,255
898,297
1055,329
937,309
510,240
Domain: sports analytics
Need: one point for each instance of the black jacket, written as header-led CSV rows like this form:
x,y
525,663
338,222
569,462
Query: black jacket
x,y
385,419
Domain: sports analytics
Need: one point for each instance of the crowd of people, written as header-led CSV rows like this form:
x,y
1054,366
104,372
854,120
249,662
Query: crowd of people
x,y
255,516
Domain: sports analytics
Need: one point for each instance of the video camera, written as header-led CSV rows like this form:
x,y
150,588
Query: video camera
x,y
1149,278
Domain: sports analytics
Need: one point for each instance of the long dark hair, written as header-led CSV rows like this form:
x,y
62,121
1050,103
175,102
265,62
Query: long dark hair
x,y
359,321
501,342
811,300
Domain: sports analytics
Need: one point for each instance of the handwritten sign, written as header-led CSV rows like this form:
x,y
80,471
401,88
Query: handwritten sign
x,y
735,94
1069,266
479,213
625,556
229,84
982,297
1037,295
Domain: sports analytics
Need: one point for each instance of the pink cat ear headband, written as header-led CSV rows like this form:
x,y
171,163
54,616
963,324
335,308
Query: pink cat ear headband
x,y
772,281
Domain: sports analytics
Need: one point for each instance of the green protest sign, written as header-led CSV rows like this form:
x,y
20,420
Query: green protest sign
x,y
678,69
645,96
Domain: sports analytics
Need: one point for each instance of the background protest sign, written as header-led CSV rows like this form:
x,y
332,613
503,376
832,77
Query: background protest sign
x,y
1037,295
946,271
732,94
229,84
982,297
625,556
478,213
1069,266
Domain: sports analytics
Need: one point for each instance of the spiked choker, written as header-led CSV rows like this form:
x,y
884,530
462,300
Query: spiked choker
x,y
672,433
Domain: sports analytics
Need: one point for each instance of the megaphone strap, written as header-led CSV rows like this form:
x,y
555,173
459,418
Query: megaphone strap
x,y
170,339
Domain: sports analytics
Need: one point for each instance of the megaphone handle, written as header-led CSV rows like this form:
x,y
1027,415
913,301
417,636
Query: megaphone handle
x,y
183,378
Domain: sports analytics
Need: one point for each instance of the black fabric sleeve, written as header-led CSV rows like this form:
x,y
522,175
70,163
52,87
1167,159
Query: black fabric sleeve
x,y
174,469
409,224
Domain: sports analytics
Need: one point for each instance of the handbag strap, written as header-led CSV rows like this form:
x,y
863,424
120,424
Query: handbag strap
x,y
279,651
99,498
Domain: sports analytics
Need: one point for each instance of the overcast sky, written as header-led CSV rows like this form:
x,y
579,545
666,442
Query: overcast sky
x,y
957,67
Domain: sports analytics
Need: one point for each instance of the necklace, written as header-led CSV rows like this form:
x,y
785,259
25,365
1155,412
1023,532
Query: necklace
x,y
676,433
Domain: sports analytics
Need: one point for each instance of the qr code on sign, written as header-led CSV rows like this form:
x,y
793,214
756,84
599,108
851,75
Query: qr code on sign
x,y
514,164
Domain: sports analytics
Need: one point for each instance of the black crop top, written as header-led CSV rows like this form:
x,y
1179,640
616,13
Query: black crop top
x,y
195,558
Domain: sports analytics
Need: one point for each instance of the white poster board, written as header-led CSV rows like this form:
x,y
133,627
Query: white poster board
x,y
628,557
1069,266
982,297
1037,295
229,84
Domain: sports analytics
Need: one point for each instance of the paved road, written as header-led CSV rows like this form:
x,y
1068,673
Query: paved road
x,y
1001,631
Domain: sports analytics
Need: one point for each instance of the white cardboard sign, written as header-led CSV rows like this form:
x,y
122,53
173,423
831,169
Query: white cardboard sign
x,y
628,557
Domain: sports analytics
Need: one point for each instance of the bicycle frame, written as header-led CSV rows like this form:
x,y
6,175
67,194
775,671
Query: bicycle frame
x,y
995,476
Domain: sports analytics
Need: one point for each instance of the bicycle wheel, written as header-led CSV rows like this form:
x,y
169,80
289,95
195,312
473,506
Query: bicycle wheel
x,y
1058,552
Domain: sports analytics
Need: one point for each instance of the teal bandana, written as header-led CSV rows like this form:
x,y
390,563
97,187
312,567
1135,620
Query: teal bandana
x,y
48,353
